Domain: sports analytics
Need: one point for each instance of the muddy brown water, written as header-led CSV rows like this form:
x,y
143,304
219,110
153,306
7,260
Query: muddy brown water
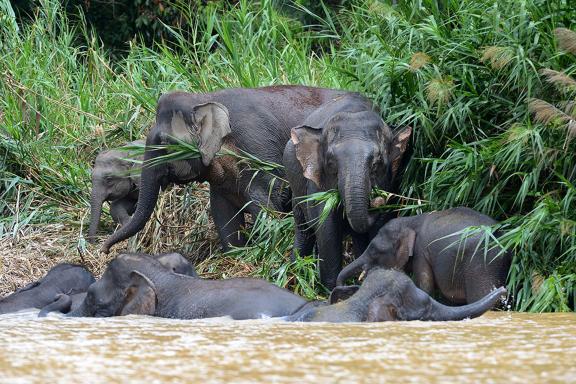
x,y
503,347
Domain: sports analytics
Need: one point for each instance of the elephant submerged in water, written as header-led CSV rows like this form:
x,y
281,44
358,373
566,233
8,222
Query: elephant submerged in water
x,y
390,295
254,121
139,284
116,180
343,145
63,279
442,255
65,303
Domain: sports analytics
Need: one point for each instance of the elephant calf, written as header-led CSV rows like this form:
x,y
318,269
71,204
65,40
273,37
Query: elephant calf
x,y
116,180
443,256
139,284
389,295
63,279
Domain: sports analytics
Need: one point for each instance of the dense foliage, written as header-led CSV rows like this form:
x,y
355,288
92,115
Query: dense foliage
x,y
487,85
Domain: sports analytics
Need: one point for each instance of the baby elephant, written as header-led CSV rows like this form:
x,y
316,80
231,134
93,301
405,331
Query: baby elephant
x,y
63,279
139,284
65,303
116,180
389,295
443,256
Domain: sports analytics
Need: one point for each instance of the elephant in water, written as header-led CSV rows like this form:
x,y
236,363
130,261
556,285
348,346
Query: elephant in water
x,y
63,279
343,145
388,295
139,284
246,121
443,256
116,180
65,303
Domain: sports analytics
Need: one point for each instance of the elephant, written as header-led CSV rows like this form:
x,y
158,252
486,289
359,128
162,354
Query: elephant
x,y
116,180
442,254
65,303
68,279
249,122
390,295
343,145
139,284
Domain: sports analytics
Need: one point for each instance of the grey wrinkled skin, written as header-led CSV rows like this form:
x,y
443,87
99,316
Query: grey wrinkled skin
x,y
139,284
441,256
344,145
256,121
172,261
390,295
117,181
67,279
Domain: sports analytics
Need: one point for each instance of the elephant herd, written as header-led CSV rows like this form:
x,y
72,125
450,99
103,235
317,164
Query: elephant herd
x,y
324,140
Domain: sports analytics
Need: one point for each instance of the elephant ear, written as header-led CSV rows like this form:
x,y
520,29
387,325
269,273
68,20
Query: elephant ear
x,y
381,309
342,293
213,122
307,143
399,146
405,246
140,296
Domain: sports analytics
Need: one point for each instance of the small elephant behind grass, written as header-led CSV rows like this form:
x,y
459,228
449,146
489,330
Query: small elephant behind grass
x,y
116,180
390,295
443,254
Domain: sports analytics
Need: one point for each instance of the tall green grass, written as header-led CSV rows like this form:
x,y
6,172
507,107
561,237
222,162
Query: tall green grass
x,y
460,72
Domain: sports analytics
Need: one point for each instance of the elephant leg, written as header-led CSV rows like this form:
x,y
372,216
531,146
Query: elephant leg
x,y
423,275
228,220
329,242
304,238
121,210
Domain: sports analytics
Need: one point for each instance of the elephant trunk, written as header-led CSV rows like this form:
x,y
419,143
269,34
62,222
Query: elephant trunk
x,y
355,189
147,198
97,198
351,269
81,311
440,312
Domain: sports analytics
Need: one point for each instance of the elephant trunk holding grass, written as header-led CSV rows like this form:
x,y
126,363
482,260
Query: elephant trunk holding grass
x,y
444,252
250,121
116,179
344,145
390,295
139,284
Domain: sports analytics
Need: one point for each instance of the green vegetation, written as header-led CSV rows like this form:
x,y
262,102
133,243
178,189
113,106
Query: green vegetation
x,y
487,85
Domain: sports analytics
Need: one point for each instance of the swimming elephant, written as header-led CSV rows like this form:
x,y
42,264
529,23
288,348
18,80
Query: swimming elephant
x,y
390,295
343,145
65,303
116,180
256,122
442,255
139,284
68,279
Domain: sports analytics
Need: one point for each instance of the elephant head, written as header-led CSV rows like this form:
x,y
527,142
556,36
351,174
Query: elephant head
x,y
204,125
111,180
126,283
391,295
392,247
352,153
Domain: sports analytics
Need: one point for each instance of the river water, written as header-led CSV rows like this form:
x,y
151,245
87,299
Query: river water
x,y
497,347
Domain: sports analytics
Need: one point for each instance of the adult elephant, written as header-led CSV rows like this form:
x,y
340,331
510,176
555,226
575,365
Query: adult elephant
x,y
255,121
343,145
68,279
390,295
66,302
445,252
139,284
